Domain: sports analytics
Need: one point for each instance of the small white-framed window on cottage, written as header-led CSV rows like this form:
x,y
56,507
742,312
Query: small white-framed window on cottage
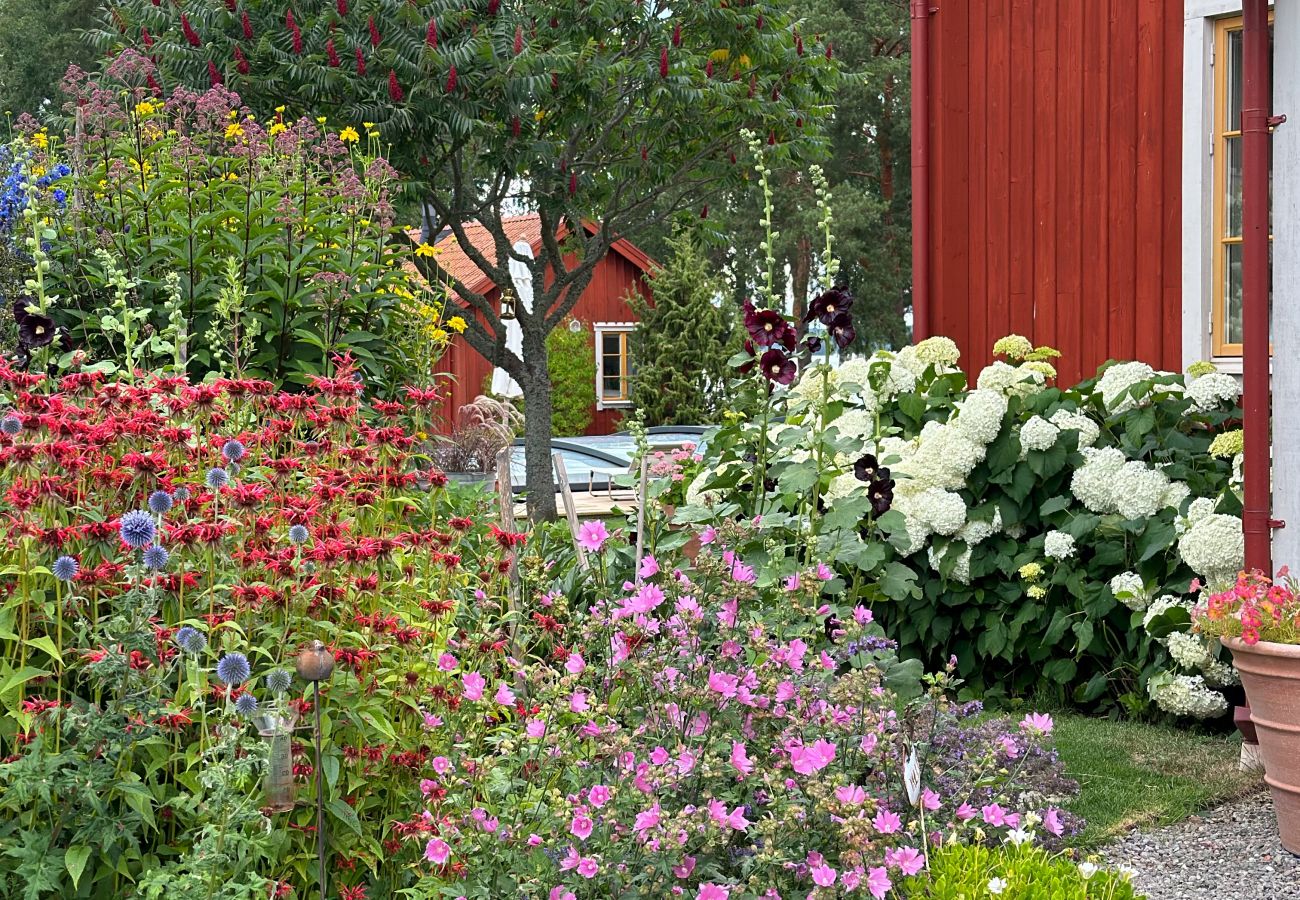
x,y
1226,283
613,364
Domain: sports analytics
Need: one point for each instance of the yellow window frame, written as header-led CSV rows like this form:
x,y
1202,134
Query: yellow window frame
x,y
624,393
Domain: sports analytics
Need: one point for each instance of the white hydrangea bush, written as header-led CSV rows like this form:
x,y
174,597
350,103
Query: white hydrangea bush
x,y
1013,515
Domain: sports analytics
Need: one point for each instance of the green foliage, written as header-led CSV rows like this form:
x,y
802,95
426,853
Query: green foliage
x,y
681,343
964,872
37,44
572,361
279,234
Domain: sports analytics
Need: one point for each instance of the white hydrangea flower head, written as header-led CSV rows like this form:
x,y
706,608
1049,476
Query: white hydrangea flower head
x,y
1058,545
812,385
943,512
901,380
907,358
1214,547
1186,695
857,424
1127,587
1211,391
1160,605
1088,430
1010,380
1038,434
1118,379
979,416
944,458
856,371
843,486
938,351
961,568
1221,674
1200,508
1013,346
1093,483
1174,495
1188,650
1139,490
976,531
892,445
917,534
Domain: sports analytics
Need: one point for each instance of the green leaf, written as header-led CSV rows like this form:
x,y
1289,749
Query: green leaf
x,y
75,860
1060,670
1083,630
345,814
44,643
898,582
1054,505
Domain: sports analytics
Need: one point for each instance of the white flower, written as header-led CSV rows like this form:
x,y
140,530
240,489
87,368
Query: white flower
x,y
1175,494
938,351
1087,870
1160,605
979,416
1200,508
1038,434
1058,545
1019,836
1221,674
1093,483
856,424
942,511
1009,380
1116,381
843,486
1088,430
1210,391
944,458
1188,650
960,569
1127,587
907,358
975,531
917,532
1186,695
997,885
814,383
1138,490
1214,546
1126,872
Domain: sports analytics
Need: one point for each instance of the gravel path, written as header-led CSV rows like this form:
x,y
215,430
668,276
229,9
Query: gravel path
x,y
1229,852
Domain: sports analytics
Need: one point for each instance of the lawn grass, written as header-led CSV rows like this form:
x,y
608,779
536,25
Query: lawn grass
x,y
1133,774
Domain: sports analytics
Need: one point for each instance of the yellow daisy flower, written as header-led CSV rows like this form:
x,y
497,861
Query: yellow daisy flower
x,y
349,135
456,324
278,128
234,130
426,250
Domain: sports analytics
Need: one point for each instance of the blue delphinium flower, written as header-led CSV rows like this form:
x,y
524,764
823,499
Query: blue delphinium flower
x,y
66,568
217,478
191,640
137,529
160,502
298,534
233,450
156,558
11,425
246,704
233,668
278,681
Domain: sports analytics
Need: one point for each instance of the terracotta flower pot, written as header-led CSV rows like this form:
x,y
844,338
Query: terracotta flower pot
x,y
691,549
1270,673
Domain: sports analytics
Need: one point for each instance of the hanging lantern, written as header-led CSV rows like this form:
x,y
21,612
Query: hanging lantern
x,y
508,305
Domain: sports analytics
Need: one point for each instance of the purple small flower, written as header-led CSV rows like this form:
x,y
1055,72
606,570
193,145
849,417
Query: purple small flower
x,y
66,568
137,529
233,669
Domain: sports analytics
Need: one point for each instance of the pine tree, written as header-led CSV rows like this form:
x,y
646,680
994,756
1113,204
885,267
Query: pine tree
x,y
681,344
605,117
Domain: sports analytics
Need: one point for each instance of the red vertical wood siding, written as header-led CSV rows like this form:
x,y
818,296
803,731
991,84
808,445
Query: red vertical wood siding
x,y
1055,179
603,301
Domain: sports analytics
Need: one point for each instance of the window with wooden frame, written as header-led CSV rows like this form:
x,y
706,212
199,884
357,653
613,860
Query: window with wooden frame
x,y
613,364
1225,325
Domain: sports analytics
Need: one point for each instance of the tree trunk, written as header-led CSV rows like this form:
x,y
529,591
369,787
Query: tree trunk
x,y
538,408
800,275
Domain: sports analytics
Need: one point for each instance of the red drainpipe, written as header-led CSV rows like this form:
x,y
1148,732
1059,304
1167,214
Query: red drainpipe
x,y
1256,516
921,11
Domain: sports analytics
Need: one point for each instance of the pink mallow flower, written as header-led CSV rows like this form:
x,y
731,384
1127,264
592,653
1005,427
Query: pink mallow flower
x,y
504,696
878,882
575,664
1052,822
437,851
886,822
907,859
598,796
823,875
684,868
711,891
994,815
473,683
581,826
740,760
592,535
1039,723
809,759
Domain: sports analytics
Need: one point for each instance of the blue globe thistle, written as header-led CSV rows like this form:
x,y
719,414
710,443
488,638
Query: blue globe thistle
x,y
191,640
233,450
278,681
156,558
233,669
246,704
160,502
66,568
181,494
137,529
11,425
298,534
217,478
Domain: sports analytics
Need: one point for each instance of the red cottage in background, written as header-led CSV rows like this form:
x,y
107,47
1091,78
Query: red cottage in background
x,y
1082,161
601,312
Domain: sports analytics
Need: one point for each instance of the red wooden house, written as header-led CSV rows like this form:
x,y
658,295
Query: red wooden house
x,y
1082,160
601,312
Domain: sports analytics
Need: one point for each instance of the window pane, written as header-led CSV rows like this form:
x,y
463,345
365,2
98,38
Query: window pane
x,y
1232,122
1232,293
1232,198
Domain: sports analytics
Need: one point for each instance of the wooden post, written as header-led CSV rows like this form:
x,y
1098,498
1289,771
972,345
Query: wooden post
x,y
642,484
570,509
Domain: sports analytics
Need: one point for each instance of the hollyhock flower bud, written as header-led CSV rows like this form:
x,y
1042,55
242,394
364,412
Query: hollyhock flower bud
x,y
394,89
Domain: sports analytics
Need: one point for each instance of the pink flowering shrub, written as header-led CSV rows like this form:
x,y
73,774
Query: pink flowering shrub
x,y
706,733
1255,609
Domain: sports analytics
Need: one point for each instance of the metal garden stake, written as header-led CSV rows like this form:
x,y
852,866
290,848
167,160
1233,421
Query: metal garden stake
x,y
316,664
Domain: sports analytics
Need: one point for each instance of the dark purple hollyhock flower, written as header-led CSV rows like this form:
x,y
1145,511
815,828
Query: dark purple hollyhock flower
x,y
813,343
777,367
829,306
746,368
768,327
34,330
866,468
882,496
842,331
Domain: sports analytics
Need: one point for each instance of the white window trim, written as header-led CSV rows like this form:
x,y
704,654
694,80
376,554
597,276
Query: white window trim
x,y
1198,179
600,328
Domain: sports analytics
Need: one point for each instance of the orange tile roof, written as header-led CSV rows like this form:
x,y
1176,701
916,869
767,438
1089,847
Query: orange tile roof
x,y
453,260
